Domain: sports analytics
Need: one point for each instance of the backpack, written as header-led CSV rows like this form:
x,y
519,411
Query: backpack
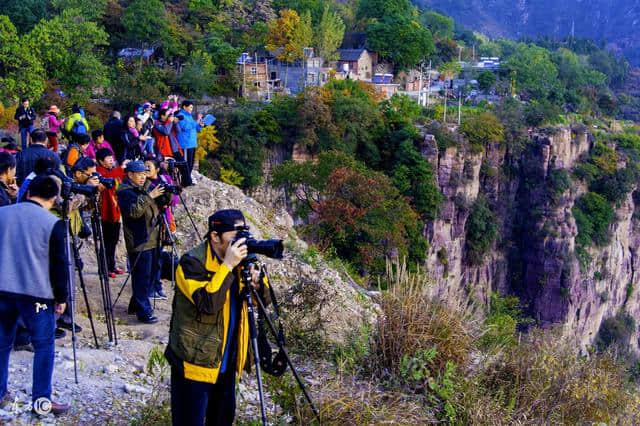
x,y
44,124
65,155
79,127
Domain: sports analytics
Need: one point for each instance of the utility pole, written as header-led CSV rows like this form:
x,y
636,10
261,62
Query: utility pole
x,y
459,107
459,53
428,83
266,70
420,85
445,106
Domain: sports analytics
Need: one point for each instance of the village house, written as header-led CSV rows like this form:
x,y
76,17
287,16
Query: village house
x,y
357,64
295,76
383,84
255,83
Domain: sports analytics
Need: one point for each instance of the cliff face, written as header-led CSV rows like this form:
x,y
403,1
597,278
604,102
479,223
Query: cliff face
x,y
615,22
534,255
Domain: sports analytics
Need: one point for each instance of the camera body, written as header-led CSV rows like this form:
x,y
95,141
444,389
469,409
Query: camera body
x,y
270,248
69,186
106,182
172,189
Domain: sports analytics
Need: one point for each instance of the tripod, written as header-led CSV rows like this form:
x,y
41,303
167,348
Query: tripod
x,y
103,273
78,262
249,294
70,282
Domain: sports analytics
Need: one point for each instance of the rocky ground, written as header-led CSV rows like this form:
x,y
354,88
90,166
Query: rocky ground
x,y
117,382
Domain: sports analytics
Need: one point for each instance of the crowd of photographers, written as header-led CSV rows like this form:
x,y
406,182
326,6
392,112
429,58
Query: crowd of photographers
x,y
129,176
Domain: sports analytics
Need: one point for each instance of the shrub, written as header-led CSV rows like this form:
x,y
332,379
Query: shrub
x,y
207,142
544,379
559,182
411,324
482,230
501,322
230,177
615,331
593,215
481,129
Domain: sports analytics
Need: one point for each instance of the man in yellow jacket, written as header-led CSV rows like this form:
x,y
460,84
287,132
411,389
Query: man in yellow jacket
x,y
209,333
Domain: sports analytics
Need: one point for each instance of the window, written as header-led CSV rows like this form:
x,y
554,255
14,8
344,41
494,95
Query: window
x,y
254,70
256,84
273,75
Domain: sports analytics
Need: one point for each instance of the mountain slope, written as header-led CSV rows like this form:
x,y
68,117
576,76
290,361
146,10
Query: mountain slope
x,y
615,22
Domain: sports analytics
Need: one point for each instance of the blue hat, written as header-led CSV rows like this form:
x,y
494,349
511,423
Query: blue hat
x,y
136,167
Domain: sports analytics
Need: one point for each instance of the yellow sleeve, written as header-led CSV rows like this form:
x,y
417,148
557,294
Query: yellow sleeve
x,y
189,286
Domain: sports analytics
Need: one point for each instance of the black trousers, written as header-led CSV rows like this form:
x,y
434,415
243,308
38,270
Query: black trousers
x,y
190,154
197,403
111,235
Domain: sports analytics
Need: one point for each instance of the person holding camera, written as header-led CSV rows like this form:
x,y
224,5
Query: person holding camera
x,y
209,332
34,287
109,209
8,187
137,201
187,130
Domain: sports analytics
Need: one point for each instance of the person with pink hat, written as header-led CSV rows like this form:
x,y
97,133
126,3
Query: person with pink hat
x,y
50,123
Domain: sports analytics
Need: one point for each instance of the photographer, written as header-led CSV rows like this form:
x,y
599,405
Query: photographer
x,y
166,145
33,287
25,116
8,187
187,131
205,356
140,215
109,210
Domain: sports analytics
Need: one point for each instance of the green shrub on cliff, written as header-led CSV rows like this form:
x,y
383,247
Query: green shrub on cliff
x,y
482,230
593,216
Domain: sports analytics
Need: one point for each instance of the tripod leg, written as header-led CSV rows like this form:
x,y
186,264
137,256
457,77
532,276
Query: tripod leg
x,y
256,355
193,223
78,262
72,289
286,355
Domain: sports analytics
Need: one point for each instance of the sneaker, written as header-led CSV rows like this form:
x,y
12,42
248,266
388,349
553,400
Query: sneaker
x,y
112,275
49,407
26,347
118,271
60,333
67,326
149,320
158,295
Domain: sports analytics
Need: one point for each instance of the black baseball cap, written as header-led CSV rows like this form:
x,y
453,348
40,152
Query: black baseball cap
x,y
225,220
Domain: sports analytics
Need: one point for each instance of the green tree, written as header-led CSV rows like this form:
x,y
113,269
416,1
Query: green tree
x,y
486,80
198,75
328,35
24,14
21,73
145,21
482,128
378,9
440,26
400,39
70,48
132,82
535,73
92,10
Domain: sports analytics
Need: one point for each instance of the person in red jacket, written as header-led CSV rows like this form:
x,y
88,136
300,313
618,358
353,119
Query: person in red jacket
x,y
109,210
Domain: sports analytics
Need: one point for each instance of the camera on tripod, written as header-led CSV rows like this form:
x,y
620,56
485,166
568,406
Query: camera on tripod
x,y
69,186
269,248
172,165
106,182
172,189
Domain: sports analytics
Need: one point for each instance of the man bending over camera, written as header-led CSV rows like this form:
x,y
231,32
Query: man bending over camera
x,y
209,334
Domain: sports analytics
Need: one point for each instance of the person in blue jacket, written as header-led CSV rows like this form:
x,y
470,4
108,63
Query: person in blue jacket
x,y
187,131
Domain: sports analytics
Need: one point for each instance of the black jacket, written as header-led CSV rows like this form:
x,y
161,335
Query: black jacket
x,y
131,145
140,216
5,200
25,117
112,131
26,160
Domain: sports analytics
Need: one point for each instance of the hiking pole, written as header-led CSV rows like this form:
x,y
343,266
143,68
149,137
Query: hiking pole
x,y
253,333
70,281
262,309
79,266
101,257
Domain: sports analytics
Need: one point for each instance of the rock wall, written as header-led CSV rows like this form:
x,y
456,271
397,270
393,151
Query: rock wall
x,y
534,257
